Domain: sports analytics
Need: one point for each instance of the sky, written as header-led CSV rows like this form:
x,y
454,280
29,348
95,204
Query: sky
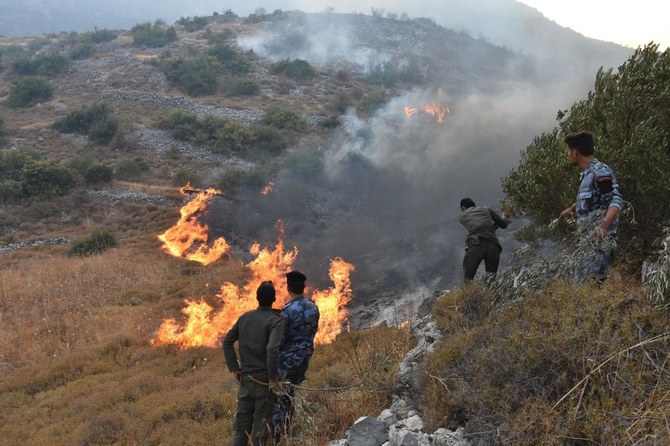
x,y
628,23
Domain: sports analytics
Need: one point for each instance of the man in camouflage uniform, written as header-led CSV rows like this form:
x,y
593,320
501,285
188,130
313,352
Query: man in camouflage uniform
x,y
301,317
259,333
481,243
598,204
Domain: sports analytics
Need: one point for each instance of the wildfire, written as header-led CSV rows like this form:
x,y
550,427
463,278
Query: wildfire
x,y
204,325
189,239
435,110
268,188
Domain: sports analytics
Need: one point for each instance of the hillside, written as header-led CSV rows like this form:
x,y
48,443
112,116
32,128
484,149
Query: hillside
x,y
332,137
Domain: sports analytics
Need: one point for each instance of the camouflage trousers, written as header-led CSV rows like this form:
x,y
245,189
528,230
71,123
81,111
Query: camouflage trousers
x,y
255,403
598,263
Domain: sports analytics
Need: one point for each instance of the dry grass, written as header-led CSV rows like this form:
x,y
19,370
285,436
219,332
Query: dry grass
x,y
77,367
564,366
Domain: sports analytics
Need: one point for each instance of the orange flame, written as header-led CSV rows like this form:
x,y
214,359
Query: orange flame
x,y
204,325
435,110
189,239
268,188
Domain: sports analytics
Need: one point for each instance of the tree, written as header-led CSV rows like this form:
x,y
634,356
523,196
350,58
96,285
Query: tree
x,y
628,113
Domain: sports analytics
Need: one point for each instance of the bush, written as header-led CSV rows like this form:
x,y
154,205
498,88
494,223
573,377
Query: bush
x,y
154,35
100,35
235,177
192,24
49,64
96,243
284,118
196,77
29,91
271,140
131,169
244,87
214,38
233,61
3,130
98,173
97,121
82,51
38,44
295,69
627,114
389,75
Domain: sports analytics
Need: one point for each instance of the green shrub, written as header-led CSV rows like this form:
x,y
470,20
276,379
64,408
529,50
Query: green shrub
x,y
82,51
96,243
100,35
295,69
243,87
38,44
235,177
51,64
10,190
131,169
192,24
372,102
331,122
97,121
233,61
3,130
284,118
214,38
24,65
154,35
98,173
185,175
389,75
271,140
44,178
627,112
196,77
29,91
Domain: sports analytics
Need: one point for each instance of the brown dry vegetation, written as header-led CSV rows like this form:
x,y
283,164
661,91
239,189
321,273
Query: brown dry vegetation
x,y
77,366
568,365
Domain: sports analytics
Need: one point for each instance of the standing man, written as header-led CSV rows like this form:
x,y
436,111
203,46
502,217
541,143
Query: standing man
x,y
598,203
481,244
301,316
259,333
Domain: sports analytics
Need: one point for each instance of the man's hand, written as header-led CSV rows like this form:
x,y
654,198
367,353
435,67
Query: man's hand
x,y
601,232
567,211
505,214
238,376
274,386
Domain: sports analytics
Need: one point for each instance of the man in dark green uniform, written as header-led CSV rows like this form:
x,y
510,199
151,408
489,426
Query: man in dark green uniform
x,y
259,333
481,242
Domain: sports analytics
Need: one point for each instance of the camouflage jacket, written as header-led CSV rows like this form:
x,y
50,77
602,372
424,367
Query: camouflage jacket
x,y
301,317
598,190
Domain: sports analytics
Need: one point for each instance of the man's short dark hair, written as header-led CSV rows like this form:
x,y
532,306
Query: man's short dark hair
x,y
467,203
295,282
265,294
581,142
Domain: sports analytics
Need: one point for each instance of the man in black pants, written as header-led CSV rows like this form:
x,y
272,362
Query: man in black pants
x,y
481,242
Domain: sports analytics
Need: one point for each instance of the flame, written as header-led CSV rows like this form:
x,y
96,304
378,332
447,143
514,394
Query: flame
x,y
435,110
268,188
204,325
189,239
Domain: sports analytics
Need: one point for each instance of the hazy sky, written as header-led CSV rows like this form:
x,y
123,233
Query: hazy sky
x,y
629,23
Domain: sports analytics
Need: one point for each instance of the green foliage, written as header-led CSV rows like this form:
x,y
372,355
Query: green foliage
x,y
243,87
38,44
196,77
98,173
235,177
295,69
284,118
192,24
628,114
131,169
82,51
47,65
154,35
96,243
214,38
3,129
100,35
372,102
185,175
216,133
271,140
233,62
97,121
22,175
29,91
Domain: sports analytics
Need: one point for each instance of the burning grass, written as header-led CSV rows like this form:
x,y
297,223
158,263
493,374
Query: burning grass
x,y
564,366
